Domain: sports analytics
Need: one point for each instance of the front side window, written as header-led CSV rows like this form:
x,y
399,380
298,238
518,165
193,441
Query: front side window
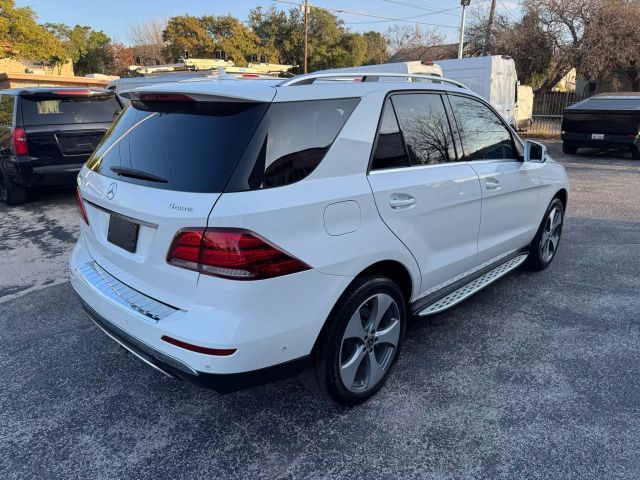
x,y
389,151
483,134
425,127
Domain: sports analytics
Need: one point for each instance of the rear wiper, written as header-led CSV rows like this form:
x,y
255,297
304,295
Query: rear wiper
x,y
139,174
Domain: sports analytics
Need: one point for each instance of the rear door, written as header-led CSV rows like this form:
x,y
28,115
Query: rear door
x,y
509,185
429,199
161,169
63,128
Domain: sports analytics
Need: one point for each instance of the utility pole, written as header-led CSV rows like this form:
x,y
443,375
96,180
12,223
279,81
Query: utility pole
x,y
465,4
306,34
492,12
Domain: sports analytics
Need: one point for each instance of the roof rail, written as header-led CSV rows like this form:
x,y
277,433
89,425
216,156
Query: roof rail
x,y
366,76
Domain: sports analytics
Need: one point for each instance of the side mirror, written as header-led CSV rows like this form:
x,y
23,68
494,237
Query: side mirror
x,y
534,152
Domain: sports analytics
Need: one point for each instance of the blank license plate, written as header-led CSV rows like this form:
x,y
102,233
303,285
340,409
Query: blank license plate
x,y
597,136
123,233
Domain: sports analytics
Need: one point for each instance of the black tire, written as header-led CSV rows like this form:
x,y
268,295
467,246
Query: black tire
x,y
10,193
537,260
635,152
323,376
569,149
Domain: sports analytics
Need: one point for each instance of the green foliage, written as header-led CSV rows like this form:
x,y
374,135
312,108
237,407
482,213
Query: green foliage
x,y
25,39
89,50
331,45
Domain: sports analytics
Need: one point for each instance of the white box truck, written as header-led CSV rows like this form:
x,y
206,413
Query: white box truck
x,y
414,67
494,78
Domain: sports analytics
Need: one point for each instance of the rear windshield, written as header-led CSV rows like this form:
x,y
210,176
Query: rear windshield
x,y
186,150
198,148
69,110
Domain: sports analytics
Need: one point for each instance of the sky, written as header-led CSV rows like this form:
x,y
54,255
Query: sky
x,y
115,16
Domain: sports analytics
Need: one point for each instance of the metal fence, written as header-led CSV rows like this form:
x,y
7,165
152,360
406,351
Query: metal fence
x,y
547,112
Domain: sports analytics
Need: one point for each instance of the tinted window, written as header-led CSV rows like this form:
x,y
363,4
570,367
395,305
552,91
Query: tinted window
x,y
425,126
483,134
68,110
390,151
193,148
6,109
291,142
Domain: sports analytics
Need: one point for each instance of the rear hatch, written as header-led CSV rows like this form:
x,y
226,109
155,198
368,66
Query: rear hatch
x,y
63,127
161,169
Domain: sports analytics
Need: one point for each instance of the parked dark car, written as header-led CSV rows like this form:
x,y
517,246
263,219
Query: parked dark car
x,y
46,135
603,121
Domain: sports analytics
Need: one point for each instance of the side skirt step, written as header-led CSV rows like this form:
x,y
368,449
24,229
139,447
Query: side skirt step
x,y
472,287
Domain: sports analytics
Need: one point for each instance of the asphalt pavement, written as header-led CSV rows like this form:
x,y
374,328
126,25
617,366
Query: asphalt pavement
x,y
535,377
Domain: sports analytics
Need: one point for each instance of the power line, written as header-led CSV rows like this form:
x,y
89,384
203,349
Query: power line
x,y
363,14
509,11
434,11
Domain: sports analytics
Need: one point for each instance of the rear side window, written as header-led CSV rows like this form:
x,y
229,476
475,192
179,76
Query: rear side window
x,y
483,134
291,142
390,151
186,148
6,109
43,110
425,127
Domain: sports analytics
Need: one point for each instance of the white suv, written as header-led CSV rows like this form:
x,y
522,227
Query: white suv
x,y
237,232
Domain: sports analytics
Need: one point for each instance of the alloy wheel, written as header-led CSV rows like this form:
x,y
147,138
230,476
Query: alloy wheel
x,y
551,234
369,343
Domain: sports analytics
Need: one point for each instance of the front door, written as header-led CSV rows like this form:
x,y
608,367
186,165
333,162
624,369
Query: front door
x,y
509,186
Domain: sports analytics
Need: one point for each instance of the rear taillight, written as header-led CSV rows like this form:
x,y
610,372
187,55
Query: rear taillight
x,y
80,204
19,141
231,253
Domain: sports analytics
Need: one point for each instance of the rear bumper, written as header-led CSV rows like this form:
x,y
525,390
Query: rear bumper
x,y
174,368
609,141
22,172
272,324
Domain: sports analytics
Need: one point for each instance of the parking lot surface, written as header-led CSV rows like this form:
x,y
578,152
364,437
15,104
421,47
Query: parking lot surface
x,y
534,377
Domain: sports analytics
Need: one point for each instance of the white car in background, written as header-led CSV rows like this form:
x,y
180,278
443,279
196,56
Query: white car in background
x,y
238,232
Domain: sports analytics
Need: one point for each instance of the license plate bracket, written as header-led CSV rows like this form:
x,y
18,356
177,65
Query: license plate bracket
x,y
123,233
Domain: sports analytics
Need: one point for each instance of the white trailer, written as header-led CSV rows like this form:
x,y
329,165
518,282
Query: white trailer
x,y
494,78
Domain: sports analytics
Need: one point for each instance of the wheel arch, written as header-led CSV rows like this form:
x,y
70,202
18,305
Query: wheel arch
x,y
392,269
563,196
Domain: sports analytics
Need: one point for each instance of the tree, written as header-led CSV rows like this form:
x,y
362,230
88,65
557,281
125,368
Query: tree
x,y
377,48
26,39
88,49
280,32
236,40
525,41
187,34
405,36
121,58
564,22
610,43
146,40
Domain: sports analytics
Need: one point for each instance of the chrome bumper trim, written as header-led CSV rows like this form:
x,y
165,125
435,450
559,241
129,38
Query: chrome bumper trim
x,y
116,291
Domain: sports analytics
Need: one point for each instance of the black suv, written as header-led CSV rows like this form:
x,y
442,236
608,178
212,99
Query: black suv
x,y
46,135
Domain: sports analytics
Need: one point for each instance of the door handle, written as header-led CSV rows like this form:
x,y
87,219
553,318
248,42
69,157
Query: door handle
x,y
492,184
399,201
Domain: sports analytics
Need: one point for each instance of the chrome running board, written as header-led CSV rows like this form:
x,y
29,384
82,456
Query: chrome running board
x,y
468,289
